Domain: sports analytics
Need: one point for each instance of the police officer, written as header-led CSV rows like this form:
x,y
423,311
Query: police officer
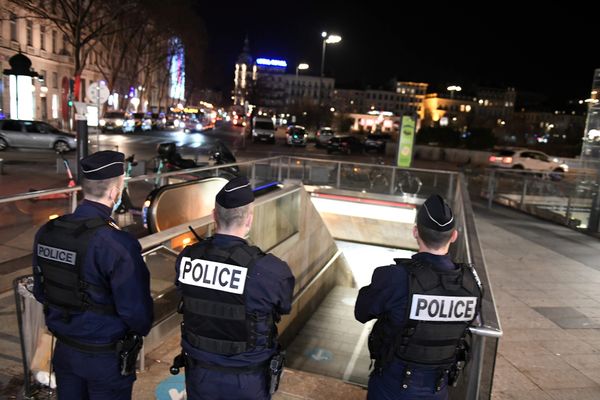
x,y
423,307
95,288
232,296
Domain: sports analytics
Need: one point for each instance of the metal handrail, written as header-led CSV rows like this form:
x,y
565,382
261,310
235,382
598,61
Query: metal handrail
x,y
37,193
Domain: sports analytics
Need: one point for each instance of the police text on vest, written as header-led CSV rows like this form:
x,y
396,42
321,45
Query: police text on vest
x,y
55,254
442,308
212,275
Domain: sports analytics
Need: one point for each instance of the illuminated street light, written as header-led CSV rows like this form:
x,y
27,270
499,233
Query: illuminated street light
x,y
301,66
452,89
327,39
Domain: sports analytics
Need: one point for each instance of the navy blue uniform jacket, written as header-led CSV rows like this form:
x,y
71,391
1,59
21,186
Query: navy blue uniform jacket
x,y
269,287
113,261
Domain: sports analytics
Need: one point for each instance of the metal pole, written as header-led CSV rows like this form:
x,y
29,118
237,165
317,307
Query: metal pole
x,y
393,181
568,215
279,171
523,193
253,175
450,187
82,146
491,184
27,372
289,167
339,175
73,198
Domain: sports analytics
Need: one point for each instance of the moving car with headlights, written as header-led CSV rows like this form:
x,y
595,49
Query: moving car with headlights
x,y
263,129
142,121
296,135
193,125
344,144
35,134
323,135
526,159
113,121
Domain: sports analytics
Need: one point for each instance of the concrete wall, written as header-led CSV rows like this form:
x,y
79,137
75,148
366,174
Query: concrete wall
x,y
459,156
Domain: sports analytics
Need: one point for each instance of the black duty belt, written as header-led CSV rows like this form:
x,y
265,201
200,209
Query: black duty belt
x,y
261,367
87,347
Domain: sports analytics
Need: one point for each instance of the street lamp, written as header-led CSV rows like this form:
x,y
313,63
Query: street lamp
x,y
301,66
327,39
452,89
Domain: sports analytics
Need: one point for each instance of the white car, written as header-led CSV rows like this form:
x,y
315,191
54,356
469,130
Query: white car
x,y
527,159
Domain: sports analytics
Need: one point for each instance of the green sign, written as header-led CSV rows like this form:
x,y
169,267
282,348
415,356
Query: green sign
x,y
405,143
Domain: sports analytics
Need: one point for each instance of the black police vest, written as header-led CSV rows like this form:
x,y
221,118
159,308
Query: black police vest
x,y
442,305
61,252
213,282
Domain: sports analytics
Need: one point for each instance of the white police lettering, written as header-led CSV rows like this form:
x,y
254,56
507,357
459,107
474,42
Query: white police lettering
x,y
212,275
54,254
442,308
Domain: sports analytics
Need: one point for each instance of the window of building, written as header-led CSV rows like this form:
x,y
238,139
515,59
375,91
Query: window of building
x,y
54,38
29,33
55,80
42,37
64,44
13,27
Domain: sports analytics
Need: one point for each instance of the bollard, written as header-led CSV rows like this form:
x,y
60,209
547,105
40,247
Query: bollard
x,y
1,166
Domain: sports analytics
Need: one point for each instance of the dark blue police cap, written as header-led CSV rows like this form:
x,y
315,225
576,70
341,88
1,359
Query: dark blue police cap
x,y
236,193
103,165
436,214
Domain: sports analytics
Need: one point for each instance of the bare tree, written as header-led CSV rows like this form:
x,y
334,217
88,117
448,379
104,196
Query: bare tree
x,y
83,22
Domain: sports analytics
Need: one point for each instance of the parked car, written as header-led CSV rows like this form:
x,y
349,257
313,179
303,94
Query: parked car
x,y
142,121
376,142
323,135
296,135
34,134
263,129
345,144
526,159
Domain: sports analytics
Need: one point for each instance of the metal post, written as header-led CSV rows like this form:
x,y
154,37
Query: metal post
x,y
339,175
289,167
568,214
27,372
279,171
477,365
450,187
82,145
435,179
393,181
491,184
253,180
73,198
523,193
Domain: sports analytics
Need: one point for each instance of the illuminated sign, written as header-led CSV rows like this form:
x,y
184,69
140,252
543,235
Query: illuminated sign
x,y
176,69
271,63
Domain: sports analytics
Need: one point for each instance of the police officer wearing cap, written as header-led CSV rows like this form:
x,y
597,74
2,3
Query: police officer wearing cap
x,y
233,294
95,288
423,308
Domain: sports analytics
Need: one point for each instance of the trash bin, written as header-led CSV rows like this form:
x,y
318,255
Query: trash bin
x,y
36,343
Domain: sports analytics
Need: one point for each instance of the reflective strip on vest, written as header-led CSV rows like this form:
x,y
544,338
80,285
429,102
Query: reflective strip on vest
x,y
442,308
212,275
59,255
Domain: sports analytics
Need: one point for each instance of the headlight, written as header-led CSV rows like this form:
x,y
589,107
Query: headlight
x,y
254,133
199,127
119,122
305,135
272,134
102,122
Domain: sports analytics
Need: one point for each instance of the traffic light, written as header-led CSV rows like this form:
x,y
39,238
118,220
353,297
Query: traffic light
x,y
70,100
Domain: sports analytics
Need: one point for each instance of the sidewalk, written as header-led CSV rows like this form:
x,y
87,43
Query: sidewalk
x,y
546,282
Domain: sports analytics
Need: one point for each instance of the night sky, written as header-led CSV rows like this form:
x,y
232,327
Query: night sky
x,y
550,51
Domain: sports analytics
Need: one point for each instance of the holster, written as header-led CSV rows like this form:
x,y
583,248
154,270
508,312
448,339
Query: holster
x,y
276,370
128,349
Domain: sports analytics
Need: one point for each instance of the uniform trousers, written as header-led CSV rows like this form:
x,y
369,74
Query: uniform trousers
x,y
89,376
205,384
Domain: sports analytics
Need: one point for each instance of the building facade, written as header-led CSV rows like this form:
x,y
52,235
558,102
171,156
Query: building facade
x,y
51,56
